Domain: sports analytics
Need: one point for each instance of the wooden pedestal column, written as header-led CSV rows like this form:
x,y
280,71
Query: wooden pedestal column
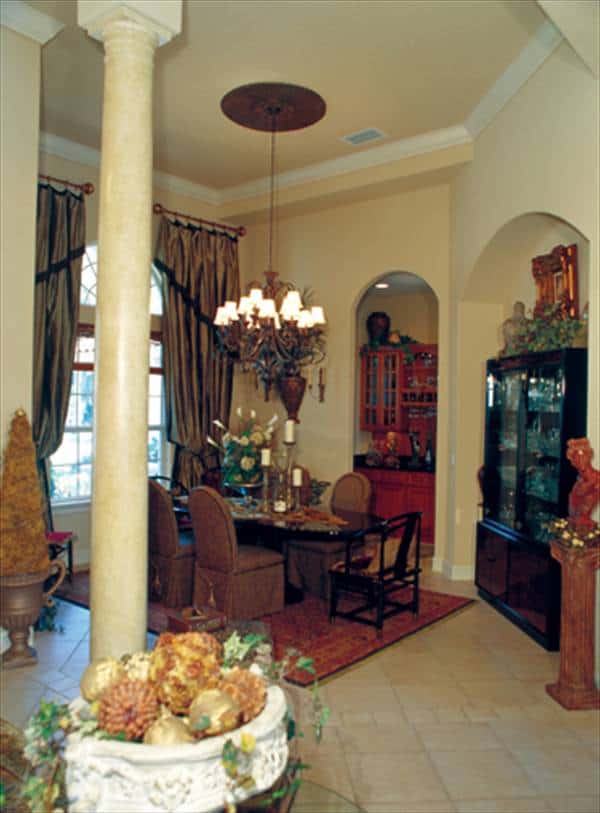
x,y
575,688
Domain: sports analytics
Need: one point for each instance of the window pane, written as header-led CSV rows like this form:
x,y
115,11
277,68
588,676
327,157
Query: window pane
x,y
155,292
85,447
86,382
156,383
155,412
84,481
155,354
89,275
154,469
86,410
63,482
72,412
67,452
154,446
85,349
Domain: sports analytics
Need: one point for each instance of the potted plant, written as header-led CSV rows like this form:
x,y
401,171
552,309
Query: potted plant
x,y
24,561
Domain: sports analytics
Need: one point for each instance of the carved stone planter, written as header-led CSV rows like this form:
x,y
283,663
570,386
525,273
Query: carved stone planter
x,y
108,776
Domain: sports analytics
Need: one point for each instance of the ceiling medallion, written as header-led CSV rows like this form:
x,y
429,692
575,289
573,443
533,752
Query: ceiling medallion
x,y
271,329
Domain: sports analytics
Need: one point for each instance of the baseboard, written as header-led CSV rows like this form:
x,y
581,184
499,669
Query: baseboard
x,y
457,573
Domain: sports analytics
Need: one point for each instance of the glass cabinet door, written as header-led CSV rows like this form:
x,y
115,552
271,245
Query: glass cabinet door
x,y
544,396
505,393
390,390
370,395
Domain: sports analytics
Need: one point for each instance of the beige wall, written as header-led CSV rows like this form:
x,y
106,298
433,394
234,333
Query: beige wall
x,y
529,162
339,252
539,157
19,123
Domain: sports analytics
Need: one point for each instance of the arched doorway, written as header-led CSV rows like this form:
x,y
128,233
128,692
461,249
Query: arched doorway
x,y
396,447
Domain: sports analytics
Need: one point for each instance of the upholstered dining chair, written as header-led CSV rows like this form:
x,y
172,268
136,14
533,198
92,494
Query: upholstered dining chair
x,y
390,562
245,581
309,562
171,551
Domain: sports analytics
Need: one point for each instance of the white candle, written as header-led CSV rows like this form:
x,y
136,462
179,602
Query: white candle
x,y
289,431
297,477
265,457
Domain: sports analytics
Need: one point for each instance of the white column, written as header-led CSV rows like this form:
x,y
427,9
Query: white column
x,y
119,557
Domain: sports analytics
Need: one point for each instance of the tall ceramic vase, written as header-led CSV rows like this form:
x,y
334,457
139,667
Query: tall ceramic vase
x,y
21,601
291,391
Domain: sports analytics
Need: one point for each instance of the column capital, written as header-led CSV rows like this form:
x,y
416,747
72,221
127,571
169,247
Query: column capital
x,y
161,18
30,22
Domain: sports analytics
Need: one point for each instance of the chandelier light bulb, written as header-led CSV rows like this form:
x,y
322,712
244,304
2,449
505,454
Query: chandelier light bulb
x,y
221,316
245,307
256,296
267,309
318,315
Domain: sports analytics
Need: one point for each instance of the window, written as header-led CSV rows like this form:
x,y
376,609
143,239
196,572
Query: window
x,y
71,464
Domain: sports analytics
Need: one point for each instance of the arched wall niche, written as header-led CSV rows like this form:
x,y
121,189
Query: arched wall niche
x,y
502,272
413,307
500,275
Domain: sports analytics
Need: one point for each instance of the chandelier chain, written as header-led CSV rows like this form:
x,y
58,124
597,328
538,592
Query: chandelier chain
x,y
272,194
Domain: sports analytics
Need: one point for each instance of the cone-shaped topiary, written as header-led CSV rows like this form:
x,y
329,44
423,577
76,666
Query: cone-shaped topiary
x,y
23,545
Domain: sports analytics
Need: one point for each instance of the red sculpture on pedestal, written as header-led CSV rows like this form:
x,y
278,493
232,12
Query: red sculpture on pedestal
x,y
585,494
577,548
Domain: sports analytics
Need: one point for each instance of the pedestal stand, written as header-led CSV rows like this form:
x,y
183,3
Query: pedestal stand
x,y
575,688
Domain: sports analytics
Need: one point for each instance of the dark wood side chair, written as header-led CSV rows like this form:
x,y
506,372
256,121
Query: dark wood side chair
x,y
171,551
391,562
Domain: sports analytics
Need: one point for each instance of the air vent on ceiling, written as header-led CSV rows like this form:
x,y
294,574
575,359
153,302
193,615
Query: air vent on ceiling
x,y
362,136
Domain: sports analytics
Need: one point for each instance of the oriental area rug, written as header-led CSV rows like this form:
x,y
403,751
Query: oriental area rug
x,y
306,626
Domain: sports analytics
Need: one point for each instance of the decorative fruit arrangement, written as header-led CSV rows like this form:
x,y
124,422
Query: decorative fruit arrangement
x,y
179,692
188,688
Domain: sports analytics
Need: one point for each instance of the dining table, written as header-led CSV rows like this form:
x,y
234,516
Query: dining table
x,y
255,525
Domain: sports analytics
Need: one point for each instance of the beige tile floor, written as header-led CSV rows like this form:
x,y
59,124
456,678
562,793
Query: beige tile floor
x,y
452,720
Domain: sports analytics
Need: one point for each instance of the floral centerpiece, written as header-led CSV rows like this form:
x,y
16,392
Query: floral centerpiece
x,y
242,449
567,531
188,726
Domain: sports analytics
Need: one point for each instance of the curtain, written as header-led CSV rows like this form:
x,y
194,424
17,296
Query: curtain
x,y
200,270
60,246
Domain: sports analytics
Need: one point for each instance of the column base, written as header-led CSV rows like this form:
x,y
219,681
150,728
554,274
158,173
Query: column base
x,y
572,699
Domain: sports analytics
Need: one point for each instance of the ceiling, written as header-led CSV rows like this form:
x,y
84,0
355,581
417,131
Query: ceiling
x,y
406,67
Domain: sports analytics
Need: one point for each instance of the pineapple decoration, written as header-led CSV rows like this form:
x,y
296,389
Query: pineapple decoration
x,y
23,546
128,707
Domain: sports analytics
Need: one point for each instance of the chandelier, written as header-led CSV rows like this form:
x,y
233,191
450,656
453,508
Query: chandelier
x,y
271,330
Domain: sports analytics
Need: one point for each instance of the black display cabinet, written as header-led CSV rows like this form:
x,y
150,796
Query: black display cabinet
x,y
534,404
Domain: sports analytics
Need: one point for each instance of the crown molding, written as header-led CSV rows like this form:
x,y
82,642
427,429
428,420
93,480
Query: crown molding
x,y
30,22
376,156
71,150
546,39
197,191
88,156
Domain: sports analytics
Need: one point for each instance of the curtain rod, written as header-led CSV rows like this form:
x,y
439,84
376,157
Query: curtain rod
x,y
87,188
159,209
